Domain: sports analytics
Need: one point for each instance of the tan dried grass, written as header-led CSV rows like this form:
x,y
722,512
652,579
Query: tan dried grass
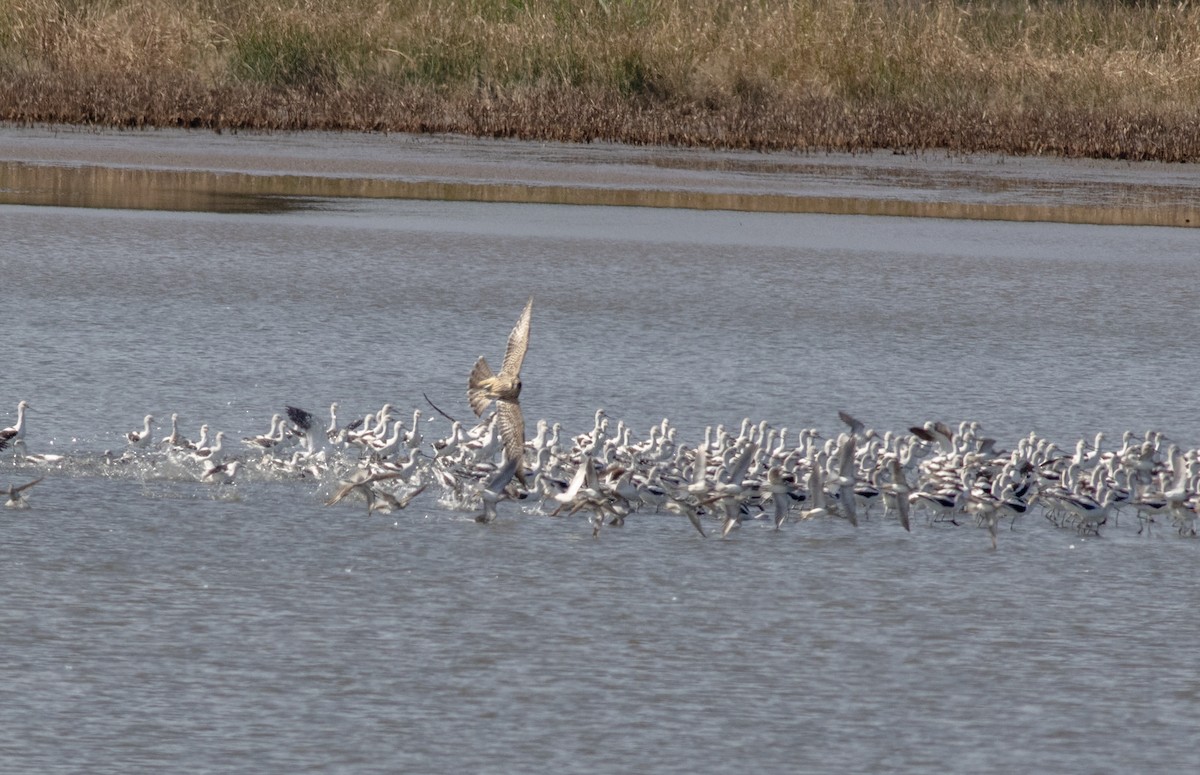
x,y
1075,77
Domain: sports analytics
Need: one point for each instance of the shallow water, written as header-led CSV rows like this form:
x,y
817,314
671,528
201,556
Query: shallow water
x,y
150,622
187,171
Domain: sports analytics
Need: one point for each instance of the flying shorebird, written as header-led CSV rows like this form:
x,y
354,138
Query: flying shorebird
x,y
484,386
495,490
362,482
15,501
386,503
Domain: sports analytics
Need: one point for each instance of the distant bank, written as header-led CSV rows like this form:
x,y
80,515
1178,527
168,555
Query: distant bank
x,y
1084,78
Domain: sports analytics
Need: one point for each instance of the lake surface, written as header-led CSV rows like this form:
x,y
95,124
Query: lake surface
x,y
150,622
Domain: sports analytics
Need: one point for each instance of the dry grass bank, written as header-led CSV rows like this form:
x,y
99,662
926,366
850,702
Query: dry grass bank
x,y
1075,77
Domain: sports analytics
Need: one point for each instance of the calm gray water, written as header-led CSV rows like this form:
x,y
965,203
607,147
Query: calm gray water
x,y
150,625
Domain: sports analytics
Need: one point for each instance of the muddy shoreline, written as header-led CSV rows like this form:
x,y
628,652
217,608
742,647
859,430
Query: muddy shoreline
x,y
198,170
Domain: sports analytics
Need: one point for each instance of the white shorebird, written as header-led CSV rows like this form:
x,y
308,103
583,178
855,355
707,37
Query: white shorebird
x,y
202,454
174,439
843,477
699,487
816,505
269,439
220,473
776,489
362,482
1090,513
586,492
201,443
16,432
414,437
381,449
1008,506
896,492
687,508
334,432
494,491
608,474
386,503
141,438
570,497
729,491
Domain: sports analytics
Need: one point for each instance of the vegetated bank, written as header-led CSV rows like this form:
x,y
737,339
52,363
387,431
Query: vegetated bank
x,y
1081,78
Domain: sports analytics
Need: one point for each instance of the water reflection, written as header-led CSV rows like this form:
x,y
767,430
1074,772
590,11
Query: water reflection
x,y
136,189
239,192
997,184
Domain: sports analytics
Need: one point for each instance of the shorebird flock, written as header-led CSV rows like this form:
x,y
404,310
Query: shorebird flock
x,y
757,473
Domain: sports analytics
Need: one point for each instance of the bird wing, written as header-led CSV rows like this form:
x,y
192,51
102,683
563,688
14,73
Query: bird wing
x,y
502,477
816,488
359,479
577,480
902,510
302,418
781,508
731,521
27,485
407,499
343,491
518,343
701,466
389,501
741,465
846,501
921,433
856,427
383,476
846,460
478,393
512,430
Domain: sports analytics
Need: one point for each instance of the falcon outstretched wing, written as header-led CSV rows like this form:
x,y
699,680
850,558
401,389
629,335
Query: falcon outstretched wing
x,y
518,343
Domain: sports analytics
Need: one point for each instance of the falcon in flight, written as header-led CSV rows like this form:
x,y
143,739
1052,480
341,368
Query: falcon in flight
x,y
504,388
